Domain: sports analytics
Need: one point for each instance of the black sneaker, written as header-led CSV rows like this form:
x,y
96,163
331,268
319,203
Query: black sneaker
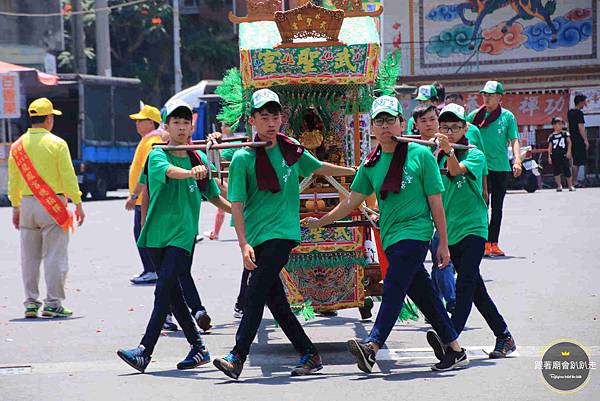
x,y
365,310
436,343
452,360
169,324
504,347
309,363
135,358
203,320
231,365
365,355
197,356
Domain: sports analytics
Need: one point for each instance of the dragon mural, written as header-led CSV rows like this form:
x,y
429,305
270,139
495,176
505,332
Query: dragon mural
x,y
524,9
497,26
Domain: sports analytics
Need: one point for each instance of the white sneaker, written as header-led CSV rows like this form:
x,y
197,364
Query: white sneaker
x,y
169,324
145,278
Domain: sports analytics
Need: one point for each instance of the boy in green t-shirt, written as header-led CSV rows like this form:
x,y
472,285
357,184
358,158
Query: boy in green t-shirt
x,y
426,121
427,95
407,183
466,215
498,128
177,181
264,192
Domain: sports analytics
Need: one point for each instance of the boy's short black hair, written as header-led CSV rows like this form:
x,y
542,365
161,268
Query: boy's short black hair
x,y
423,109
37,119
557,119
450,118
579,98
156,125
441,91
454,98
271,107
180,112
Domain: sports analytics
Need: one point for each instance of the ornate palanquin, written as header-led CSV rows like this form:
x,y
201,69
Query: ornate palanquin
x,y
267,60
323,64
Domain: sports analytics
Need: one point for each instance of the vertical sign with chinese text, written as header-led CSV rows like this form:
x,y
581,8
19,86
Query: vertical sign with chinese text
x,y
10,96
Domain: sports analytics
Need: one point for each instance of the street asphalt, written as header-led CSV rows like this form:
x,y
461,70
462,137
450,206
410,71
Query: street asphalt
x,y
547,288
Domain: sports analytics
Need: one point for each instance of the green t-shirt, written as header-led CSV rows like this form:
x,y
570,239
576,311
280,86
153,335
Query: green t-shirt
x,y
466,211
409,127
474,136
496,138
227,154
174,207
404,215
269,215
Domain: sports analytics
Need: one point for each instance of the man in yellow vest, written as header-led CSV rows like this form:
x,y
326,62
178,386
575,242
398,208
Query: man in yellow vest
x,y
147,123
40,180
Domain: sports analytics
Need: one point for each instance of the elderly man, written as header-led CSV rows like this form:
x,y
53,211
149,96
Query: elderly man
x,y
40,180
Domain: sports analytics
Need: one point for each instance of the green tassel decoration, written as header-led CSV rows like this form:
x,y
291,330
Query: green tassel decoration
x,y
325,259
233,102
387,74
409,311
308,312
304,308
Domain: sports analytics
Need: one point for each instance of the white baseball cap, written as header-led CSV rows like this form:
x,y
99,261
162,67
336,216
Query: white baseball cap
x,y
264,96
386,104
173,105
455,109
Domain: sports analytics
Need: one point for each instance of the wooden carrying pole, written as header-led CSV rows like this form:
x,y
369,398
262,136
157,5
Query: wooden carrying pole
x,y
204,141
219,146
431,144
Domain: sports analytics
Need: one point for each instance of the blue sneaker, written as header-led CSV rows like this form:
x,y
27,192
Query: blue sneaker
x,y
504,347
135,358
231,365
308,364
197,356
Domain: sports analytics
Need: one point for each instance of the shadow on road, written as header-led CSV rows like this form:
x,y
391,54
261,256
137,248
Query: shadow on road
x,y
44,319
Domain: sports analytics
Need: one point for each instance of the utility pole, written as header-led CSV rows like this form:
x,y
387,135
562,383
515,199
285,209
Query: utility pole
x,y
103,38
176,47
80,62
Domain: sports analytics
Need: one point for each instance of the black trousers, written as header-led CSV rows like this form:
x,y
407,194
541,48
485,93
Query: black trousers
x,y
241,299
265,288
470,289
137,228
172,264
190,292
497,182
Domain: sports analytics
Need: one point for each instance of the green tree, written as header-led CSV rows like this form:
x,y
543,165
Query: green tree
x,y
142,45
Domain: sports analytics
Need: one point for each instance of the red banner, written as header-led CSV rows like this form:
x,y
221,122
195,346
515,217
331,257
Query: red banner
x,y
529,109
40,189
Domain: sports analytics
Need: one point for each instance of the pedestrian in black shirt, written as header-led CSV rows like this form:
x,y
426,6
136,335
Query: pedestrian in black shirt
x,y
559,153
578,134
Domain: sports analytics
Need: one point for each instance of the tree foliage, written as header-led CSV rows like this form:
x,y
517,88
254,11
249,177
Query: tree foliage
x,y
142,45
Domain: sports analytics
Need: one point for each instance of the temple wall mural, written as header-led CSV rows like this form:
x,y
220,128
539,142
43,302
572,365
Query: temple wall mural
x,y
452,36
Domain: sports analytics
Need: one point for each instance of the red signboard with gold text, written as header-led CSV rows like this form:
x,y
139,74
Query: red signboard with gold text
x,y
529,109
